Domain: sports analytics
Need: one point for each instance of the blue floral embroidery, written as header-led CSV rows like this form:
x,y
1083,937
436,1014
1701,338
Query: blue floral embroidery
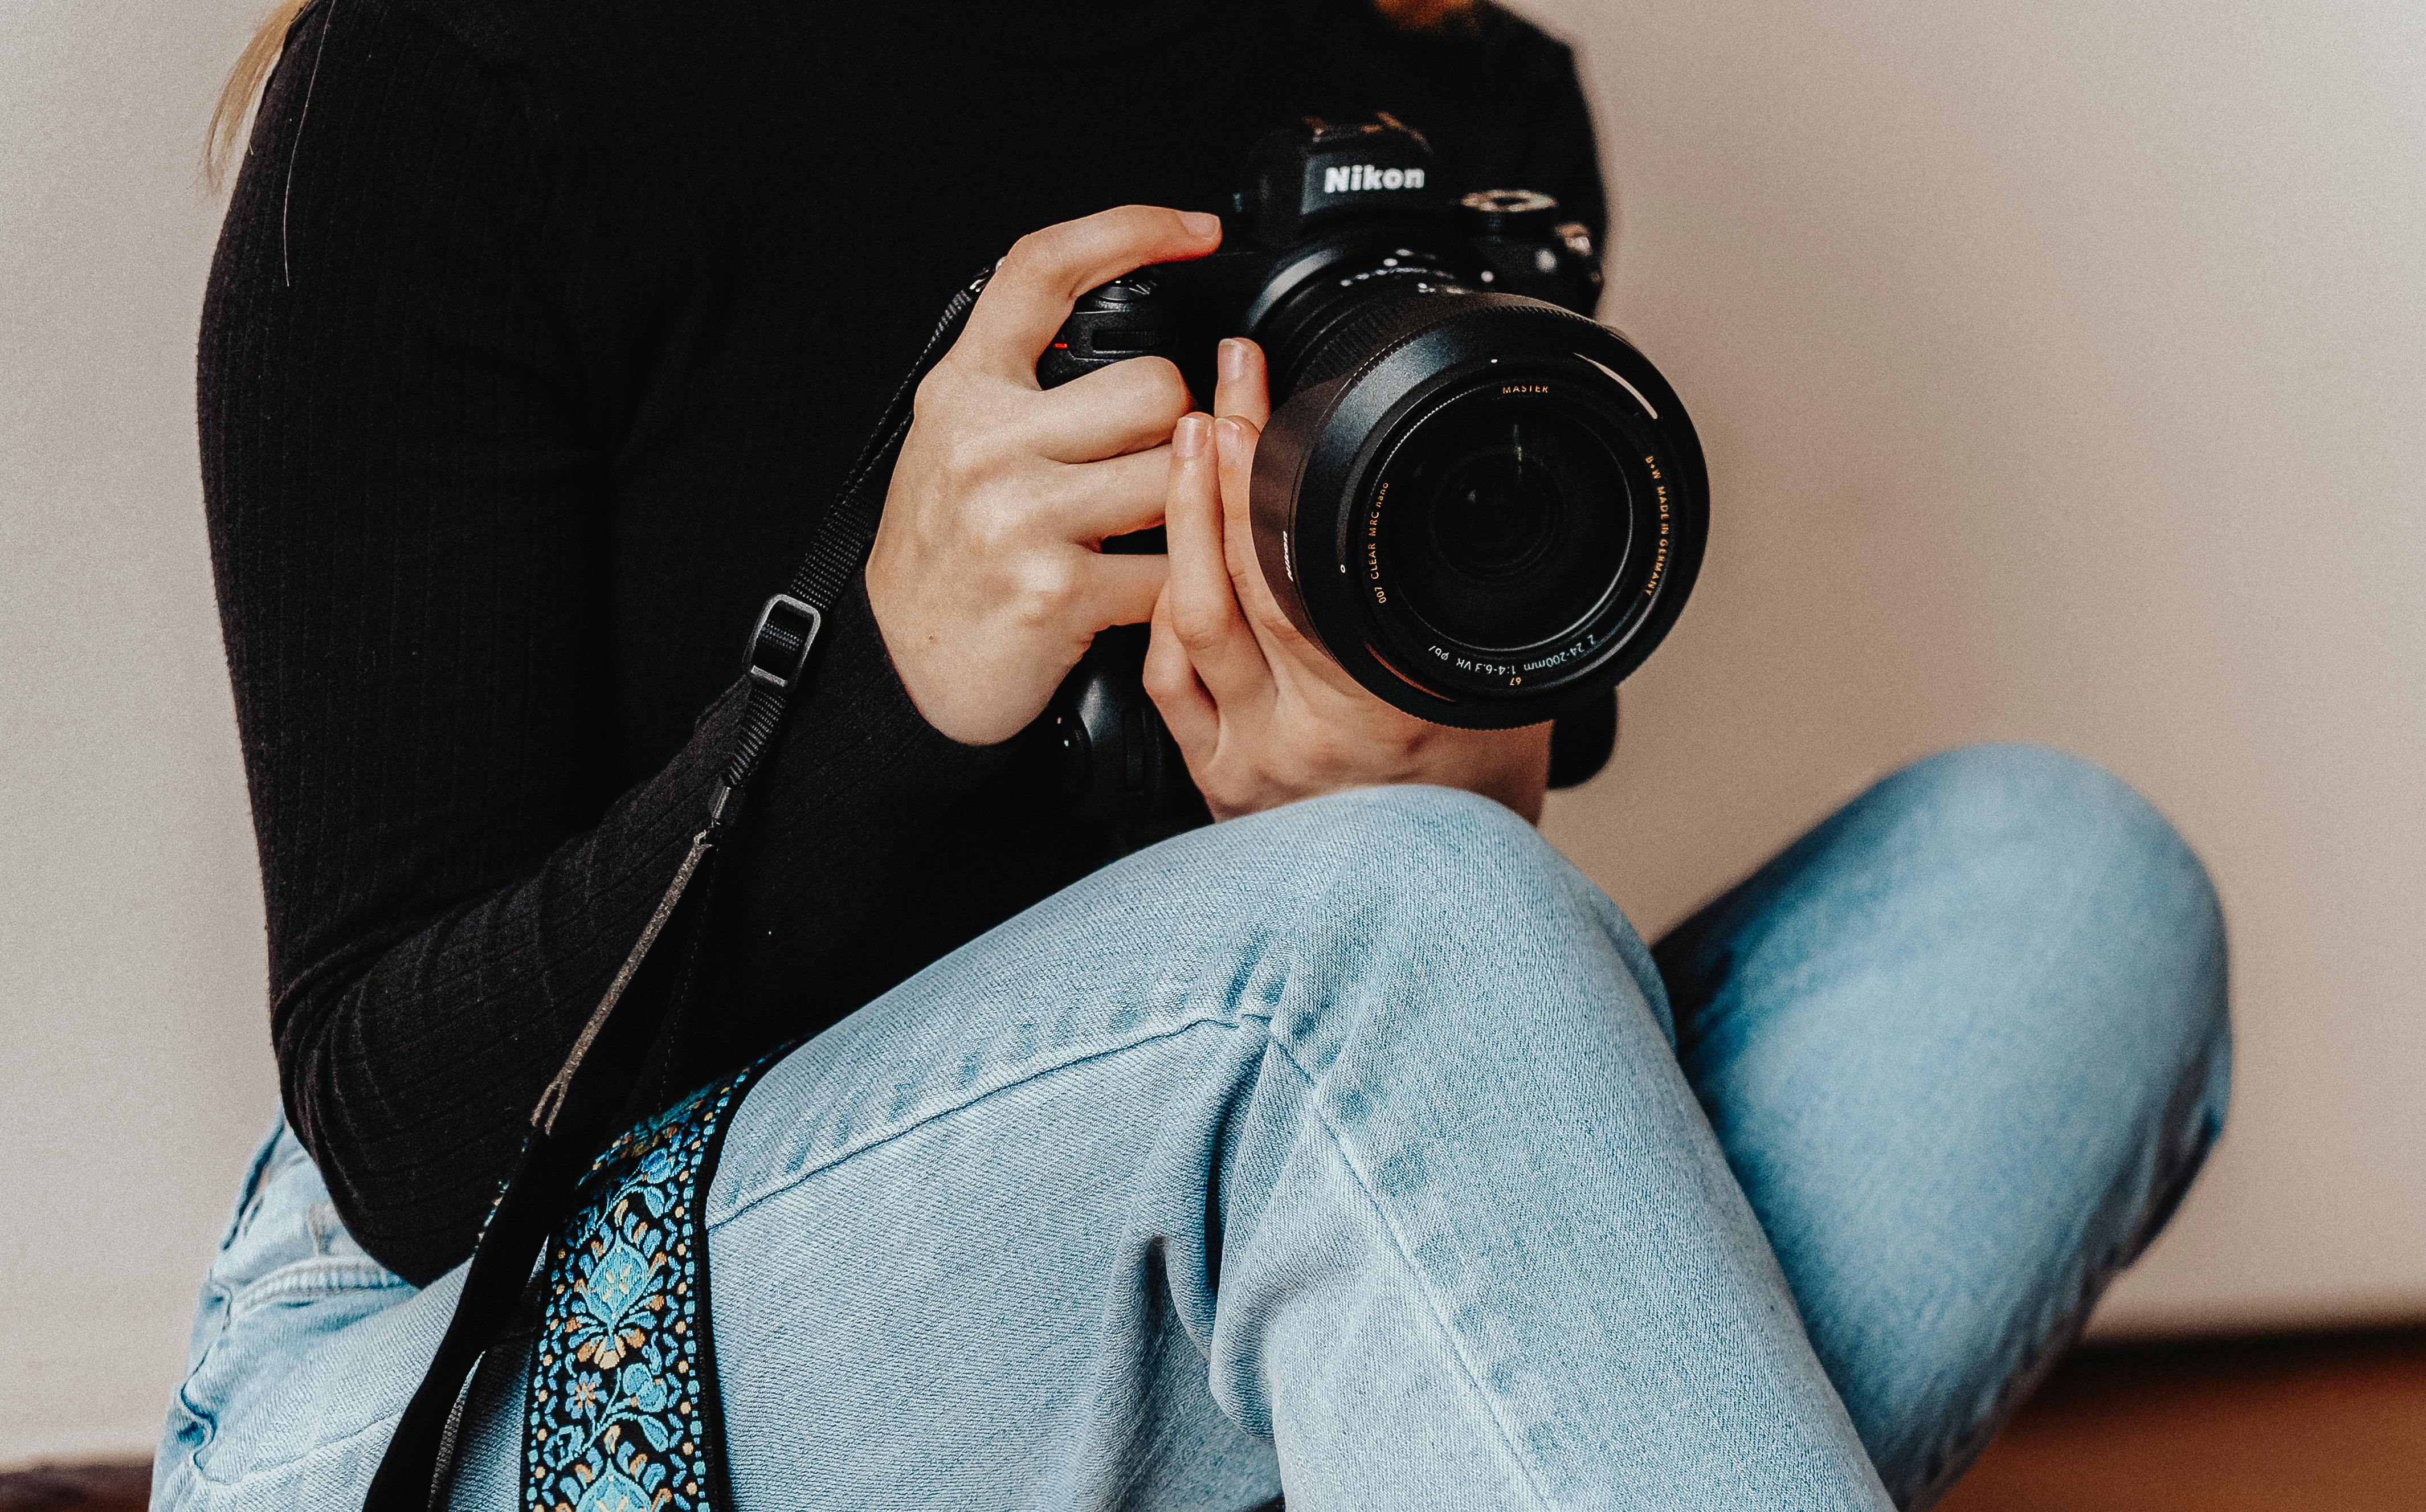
x,y
617,1419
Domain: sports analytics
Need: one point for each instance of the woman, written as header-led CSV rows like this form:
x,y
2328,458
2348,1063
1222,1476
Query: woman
x,y
1354,1145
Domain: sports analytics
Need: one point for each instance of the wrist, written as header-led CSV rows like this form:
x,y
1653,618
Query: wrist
x,y
915,661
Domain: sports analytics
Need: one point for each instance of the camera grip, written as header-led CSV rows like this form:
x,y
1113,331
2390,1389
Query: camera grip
x,y
1106,749
1133,315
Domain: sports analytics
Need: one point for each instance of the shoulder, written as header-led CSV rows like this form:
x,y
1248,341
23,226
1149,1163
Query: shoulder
x,y
392,200
1496,95
578,68
1480,40
1479,60
1522,43
365,100
507,34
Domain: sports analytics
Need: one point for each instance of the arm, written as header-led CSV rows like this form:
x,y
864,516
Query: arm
x,y
408,506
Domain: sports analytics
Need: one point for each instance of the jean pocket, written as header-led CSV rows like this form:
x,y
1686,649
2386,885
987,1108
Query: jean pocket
x,y
289,1282
270,1229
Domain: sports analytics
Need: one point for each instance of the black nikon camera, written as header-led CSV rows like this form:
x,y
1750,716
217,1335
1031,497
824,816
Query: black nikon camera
x,y
1482,503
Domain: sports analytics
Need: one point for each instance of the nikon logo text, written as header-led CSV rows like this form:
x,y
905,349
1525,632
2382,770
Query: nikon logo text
x,y
1366,176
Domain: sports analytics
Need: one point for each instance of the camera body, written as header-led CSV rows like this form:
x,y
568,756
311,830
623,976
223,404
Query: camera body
x,y
1360,202
1486,507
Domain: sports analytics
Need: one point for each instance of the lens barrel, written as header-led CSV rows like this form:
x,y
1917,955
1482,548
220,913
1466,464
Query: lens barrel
x,y
1487,509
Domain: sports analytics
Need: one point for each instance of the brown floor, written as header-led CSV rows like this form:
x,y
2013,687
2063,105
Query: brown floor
x,y
2313,1424
2317,1424
76,1489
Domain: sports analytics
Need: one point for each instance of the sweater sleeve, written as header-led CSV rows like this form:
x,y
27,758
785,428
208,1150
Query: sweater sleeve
x,y
406,494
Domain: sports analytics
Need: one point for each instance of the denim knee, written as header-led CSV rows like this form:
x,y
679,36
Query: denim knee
x,y
1386,879
2050,816
1435,859
1391,835
2032,826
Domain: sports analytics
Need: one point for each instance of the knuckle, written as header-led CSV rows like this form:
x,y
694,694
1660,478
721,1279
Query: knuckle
x,y
1153,222
962,461
1249,785
999,530
982,456
933,397
1124,223
1046,589
1030,254
1197,627
1166,680
951,394
1159,384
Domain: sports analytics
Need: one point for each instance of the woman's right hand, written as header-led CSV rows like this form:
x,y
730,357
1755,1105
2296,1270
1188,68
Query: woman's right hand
x,y
987,576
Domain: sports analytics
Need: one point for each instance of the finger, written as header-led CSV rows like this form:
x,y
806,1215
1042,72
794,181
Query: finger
x,y
1091,501
1126,407
1241,387
1234,441
1285,649
1120,590
1204,615
1030,293
1170,681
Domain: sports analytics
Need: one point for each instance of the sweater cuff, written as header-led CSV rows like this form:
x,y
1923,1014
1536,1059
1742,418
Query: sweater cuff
x,y
858,733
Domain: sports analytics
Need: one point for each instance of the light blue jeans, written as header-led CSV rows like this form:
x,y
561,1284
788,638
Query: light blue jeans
x,y
1360,1149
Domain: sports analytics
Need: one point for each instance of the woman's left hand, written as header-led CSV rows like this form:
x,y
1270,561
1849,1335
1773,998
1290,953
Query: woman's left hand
x,y
1263,716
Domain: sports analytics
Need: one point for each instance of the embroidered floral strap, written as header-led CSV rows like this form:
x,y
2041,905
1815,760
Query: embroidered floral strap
x,y
623,1413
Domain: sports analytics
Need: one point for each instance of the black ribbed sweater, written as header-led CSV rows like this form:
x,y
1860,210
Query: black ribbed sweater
x,y
539,333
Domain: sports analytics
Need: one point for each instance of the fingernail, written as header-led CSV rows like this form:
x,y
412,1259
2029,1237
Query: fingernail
x,y
1232,359
1188,439
1230,436
1201,224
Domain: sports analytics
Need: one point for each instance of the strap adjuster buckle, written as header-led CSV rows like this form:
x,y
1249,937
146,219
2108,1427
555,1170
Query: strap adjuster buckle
x,y
779,648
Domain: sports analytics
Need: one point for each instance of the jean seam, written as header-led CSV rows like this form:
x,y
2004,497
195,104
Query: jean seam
x,y
1239,1021
1406,1258
1957,1452
257,1176
201,1472
242,1302
312,1279
878,1141
205,1419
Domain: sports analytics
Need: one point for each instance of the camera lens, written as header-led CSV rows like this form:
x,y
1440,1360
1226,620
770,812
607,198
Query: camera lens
x,y
1487,509
1505,527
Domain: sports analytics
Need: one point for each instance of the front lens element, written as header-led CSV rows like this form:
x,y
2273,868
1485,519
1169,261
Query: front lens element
x,y
1503,523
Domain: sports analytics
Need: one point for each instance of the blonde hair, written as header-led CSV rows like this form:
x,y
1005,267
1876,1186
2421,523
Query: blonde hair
x,y
269,39
252,65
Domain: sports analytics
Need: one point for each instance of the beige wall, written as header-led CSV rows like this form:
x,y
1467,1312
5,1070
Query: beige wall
x,y
132,1024
2060,371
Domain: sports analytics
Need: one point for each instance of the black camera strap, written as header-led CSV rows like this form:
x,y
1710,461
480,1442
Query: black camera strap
x,y
600,1087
